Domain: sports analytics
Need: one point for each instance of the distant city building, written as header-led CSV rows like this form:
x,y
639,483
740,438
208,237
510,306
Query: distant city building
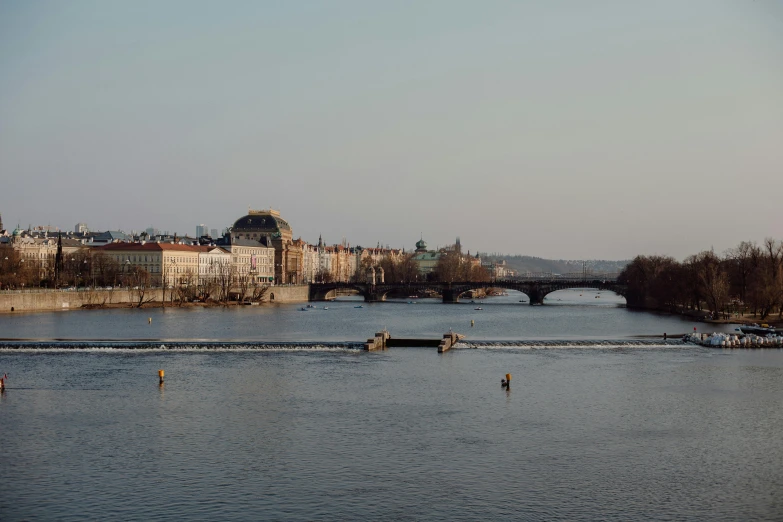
x,y
213,264
80,228
152,232
202,230
267,228
252,261
213,233
168,263
498,269
425,259
110,236
37,250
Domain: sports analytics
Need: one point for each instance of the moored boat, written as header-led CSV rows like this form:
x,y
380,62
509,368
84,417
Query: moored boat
x,y
759,330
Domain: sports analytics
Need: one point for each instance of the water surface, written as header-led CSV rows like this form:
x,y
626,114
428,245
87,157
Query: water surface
x,y
607,425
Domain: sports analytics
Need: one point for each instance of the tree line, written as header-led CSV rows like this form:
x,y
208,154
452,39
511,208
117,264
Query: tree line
x,y
745,279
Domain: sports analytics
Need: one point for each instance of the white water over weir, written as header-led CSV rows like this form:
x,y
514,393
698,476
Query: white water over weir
x,y
453,340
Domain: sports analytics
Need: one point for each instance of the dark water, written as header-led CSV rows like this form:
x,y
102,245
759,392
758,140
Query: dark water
x,y
607,425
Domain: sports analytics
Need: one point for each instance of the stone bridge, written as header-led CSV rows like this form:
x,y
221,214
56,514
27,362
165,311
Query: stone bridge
x,y
536,289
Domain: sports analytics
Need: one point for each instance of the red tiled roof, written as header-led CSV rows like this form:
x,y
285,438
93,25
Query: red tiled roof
x,y
155,247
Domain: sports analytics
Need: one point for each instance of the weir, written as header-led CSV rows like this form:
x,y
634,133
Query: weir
x,y
379,342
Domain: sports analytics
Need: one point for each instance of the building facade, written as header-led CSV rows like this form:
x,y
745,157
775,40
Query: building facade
x,y
252,261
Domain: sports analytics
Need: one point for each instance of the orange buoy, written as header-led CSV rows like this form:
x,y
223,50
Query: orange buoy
x,y
161,374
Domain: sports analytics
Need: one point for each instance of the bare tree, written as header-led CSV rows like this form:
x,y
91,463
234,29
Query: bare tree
x,y
259,291
448,268
224,279
138,283
322,276
207,284
242,285
186,287
741,263
10,266
105,270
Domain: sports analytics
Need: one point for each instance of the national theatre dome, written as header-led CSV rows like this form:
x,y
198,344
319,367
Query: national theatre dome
x,y
258,224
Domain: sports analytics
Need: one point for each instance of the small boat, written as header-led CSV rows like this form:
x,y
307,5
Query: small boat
x,y
478,308
303,309
326,307
360,306
597,297
758,330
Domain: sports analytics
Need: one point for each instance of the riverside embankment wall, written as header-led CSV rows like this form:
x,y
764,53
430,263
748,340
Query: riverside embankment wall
x,y
41,300
287,294
47,300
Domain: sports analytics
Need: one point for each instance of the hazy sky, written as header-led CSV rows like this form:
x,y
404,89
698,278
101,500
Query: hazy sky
x,y
561,129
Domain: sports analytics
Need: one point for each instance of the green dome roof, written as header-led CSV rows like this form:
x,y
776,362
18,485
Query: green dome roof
x,y
260,223
421,245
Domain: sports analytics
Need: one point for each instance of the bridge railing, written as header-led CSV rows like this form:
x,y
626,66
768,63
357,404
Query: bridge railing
x,y
528,278
573,276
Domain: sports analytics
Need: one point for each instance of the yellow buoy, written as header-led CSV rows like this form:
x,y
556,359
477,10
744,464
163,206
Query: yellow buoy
x,y
161,374
149,320
471,323
508,377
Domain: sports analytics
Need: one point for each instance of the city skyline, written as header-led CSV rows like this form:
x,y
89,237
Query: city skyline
x,y
552,130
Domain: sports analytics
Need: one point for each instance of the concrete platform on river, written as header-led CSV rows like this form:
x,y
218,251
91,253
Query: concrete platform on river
x,y
383,340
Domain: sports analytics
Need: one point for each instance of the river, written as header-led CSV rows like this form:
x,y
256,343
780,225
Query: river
x,y
273,413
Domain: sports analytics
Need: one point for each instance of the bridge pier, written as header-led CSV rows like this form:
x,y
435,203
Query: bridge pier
x,y
373,295
450,296
535,295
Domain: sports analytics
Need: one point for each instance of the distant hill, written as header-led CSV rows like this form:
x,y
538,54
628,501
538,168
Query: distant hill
x,y
524,264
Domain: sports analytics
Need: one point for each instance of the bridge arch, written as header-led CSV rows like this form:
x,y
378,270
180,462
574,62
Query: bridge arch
x,y
381,291
321,292
537,290
555,294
